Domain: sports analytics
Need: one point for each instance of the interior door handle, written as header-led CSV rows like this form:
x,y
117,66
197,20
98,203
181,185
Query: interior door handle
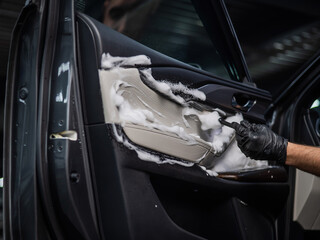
x,y
242,102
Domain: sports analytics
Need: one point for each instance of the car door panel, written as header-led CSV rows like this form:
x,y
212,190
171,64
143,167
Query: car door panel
x,y
138,189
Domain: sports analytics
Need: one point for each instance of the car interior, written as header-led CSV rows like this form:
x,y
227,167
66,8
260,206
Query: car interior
x,y
73,167
274,45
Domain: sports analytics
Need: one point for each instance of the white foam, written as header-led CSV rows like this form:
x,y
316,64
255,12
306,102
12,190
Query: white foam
x,y
234,159
219,141
108,61
179,87
210,120
219,136
161,87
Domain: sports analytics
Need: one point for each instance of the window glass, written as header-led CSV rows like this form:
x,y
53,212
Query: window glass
x,y
170,27
277,38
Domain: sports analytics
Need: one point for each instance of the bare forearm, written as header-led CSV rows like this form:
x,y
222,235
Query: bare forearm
x,y
259,142
303,157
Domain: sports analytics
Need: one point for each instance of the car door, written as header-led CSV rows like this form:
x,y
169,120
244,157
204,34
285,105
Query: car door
x,y
79,163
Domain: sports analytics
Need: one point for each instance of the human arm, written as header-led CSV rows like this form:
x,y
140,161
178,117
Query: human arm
x,y
258,142
306,158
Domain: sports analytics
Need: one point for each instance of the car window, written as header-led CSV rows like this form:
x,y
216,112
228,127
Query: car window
x,y
277,38
170,27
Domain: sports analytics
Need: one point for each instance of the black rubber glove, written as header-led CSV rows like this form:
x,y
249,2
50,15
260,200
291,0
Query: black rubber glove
x,y
258,142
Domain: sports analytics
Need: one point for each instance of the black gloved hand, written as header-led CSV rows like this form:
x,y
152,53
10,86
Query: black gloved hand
x,y
258,142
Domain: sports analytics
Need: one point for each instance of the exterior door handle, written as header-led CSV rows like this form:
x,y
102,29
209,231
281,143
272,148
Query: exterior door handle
x,y
242,102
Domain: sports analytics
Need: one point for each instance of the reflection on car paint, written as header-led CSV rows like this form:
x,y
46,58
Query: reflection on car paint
x,y
63,68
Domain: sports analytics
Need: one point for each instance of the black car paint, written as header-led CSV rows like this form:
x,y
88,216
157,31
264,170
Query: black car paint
x,y
20,128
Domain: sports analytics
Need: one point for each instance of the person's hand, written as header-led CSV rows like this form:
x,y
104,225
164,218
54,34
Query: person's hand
x,y
258,142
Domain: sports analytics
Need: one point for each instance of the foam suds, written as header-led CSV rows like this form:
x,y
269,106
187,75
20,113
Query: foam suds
x,y
234,159
108,61
161,87
179,87
218,138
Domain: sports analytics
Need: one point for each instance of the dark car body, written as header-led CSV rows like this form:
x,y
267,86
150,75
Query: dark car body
x,y
88,185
